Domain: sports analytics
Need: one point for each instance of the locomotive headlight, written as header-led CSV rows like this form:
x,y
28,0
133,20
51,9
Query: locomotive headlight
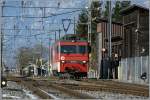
x,y
62,58
32,70
84,62
3,83
62,61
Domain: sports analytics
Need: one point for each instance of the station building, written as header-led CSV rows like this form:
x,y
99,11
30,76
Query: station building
x,y
116,37
136,31
130,38
103,44
130,41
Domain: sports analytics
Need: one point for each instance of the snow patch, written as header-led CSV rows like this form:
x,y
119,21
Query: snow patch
x,y
51,95
9,96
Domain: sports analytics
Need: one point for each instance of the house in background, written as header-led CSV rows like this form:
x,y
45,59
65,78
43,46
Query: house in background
x,y
136,31
116,37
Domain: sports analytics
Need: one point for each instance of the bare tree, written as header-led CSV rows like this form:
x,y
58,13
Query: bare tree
x,y
28,55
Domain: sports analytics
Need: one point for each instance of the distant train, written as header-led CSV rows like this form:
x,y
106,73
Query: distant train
x,y
70,57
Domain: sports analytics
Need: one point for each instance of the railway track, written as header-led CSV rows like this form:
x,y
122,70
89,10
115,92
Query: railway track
x,y
126,86
108,89
70,92
41,88
120,87
108,86
89,85
116,83
28,83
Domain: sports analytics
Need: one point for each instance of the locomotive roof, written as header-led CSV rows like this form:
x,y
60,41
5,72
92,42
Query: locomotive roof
x,y
71,41
72,38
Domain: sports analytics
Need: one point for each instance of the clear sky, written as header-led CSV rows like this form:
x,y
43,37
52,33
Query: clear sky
x,y
145,3
14,39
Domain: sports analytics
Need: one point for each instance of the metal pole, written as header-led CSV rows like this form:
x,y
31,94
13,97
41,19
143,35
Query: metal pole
x,y
109,40
74,26
90,27
110,14
89,21
138,26
1,38
43,14
59,33
55,36
135,68
141,64
41,66
148,73
126,64
49,58
89,30
41,55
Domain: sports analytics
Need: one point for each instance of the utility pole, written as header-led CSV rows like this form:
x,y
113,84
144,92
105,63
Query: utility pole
x,y
55,36
74,25
89,21
137,36
49,67
59,33
110,15
109,40
1,38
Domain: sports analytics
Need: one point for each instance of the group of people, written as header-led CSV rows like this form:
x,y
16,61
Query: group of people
x,y
109,68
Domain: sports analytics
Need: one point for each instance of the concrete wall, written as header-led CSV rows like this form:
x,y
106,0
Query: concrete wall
x,y
131,69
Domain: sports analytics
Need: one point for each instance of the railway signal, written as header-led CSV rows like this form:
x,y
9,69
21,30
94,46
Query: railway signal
x,y
3,82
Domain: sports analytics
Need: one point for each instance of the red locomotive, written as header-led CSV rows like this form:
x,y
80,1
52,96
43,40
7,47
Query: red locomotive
x,y
70,57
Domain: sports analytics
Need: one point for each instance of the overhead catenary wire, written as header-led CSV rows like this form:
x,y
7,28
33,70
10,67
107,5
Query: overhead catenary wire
x,y
43,16
39,7
37,32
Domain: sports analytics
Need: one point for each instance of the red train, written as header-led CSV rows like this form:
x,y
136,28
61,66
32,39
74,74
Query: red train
x,y
70,57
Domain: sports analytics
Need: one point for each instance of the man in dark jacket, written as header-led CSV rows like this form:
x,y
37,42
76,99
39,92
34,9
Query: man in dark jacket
x,y
105,68
115,64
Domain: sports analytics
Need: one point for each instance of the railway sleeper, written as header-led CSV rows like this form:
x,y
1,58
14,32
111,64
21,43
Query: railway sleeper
x,y
71,92
116,90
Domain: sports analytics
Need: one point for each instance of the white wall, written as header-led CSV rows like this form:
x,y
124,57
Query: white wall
x,y
130,69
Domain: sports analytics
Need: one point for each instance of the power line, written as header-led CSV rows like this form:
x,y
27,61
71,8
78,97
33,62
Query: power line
x,y
16,35
43,16
29,29
39,7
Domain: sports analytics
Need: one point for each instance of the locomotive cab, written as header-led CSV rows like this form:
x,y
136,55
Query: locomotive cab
x,y
70,56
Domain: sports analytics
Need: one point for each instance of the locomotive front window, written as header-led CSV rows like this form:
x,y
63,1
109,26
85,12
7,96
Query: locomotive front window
x,y
82,49
68,49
